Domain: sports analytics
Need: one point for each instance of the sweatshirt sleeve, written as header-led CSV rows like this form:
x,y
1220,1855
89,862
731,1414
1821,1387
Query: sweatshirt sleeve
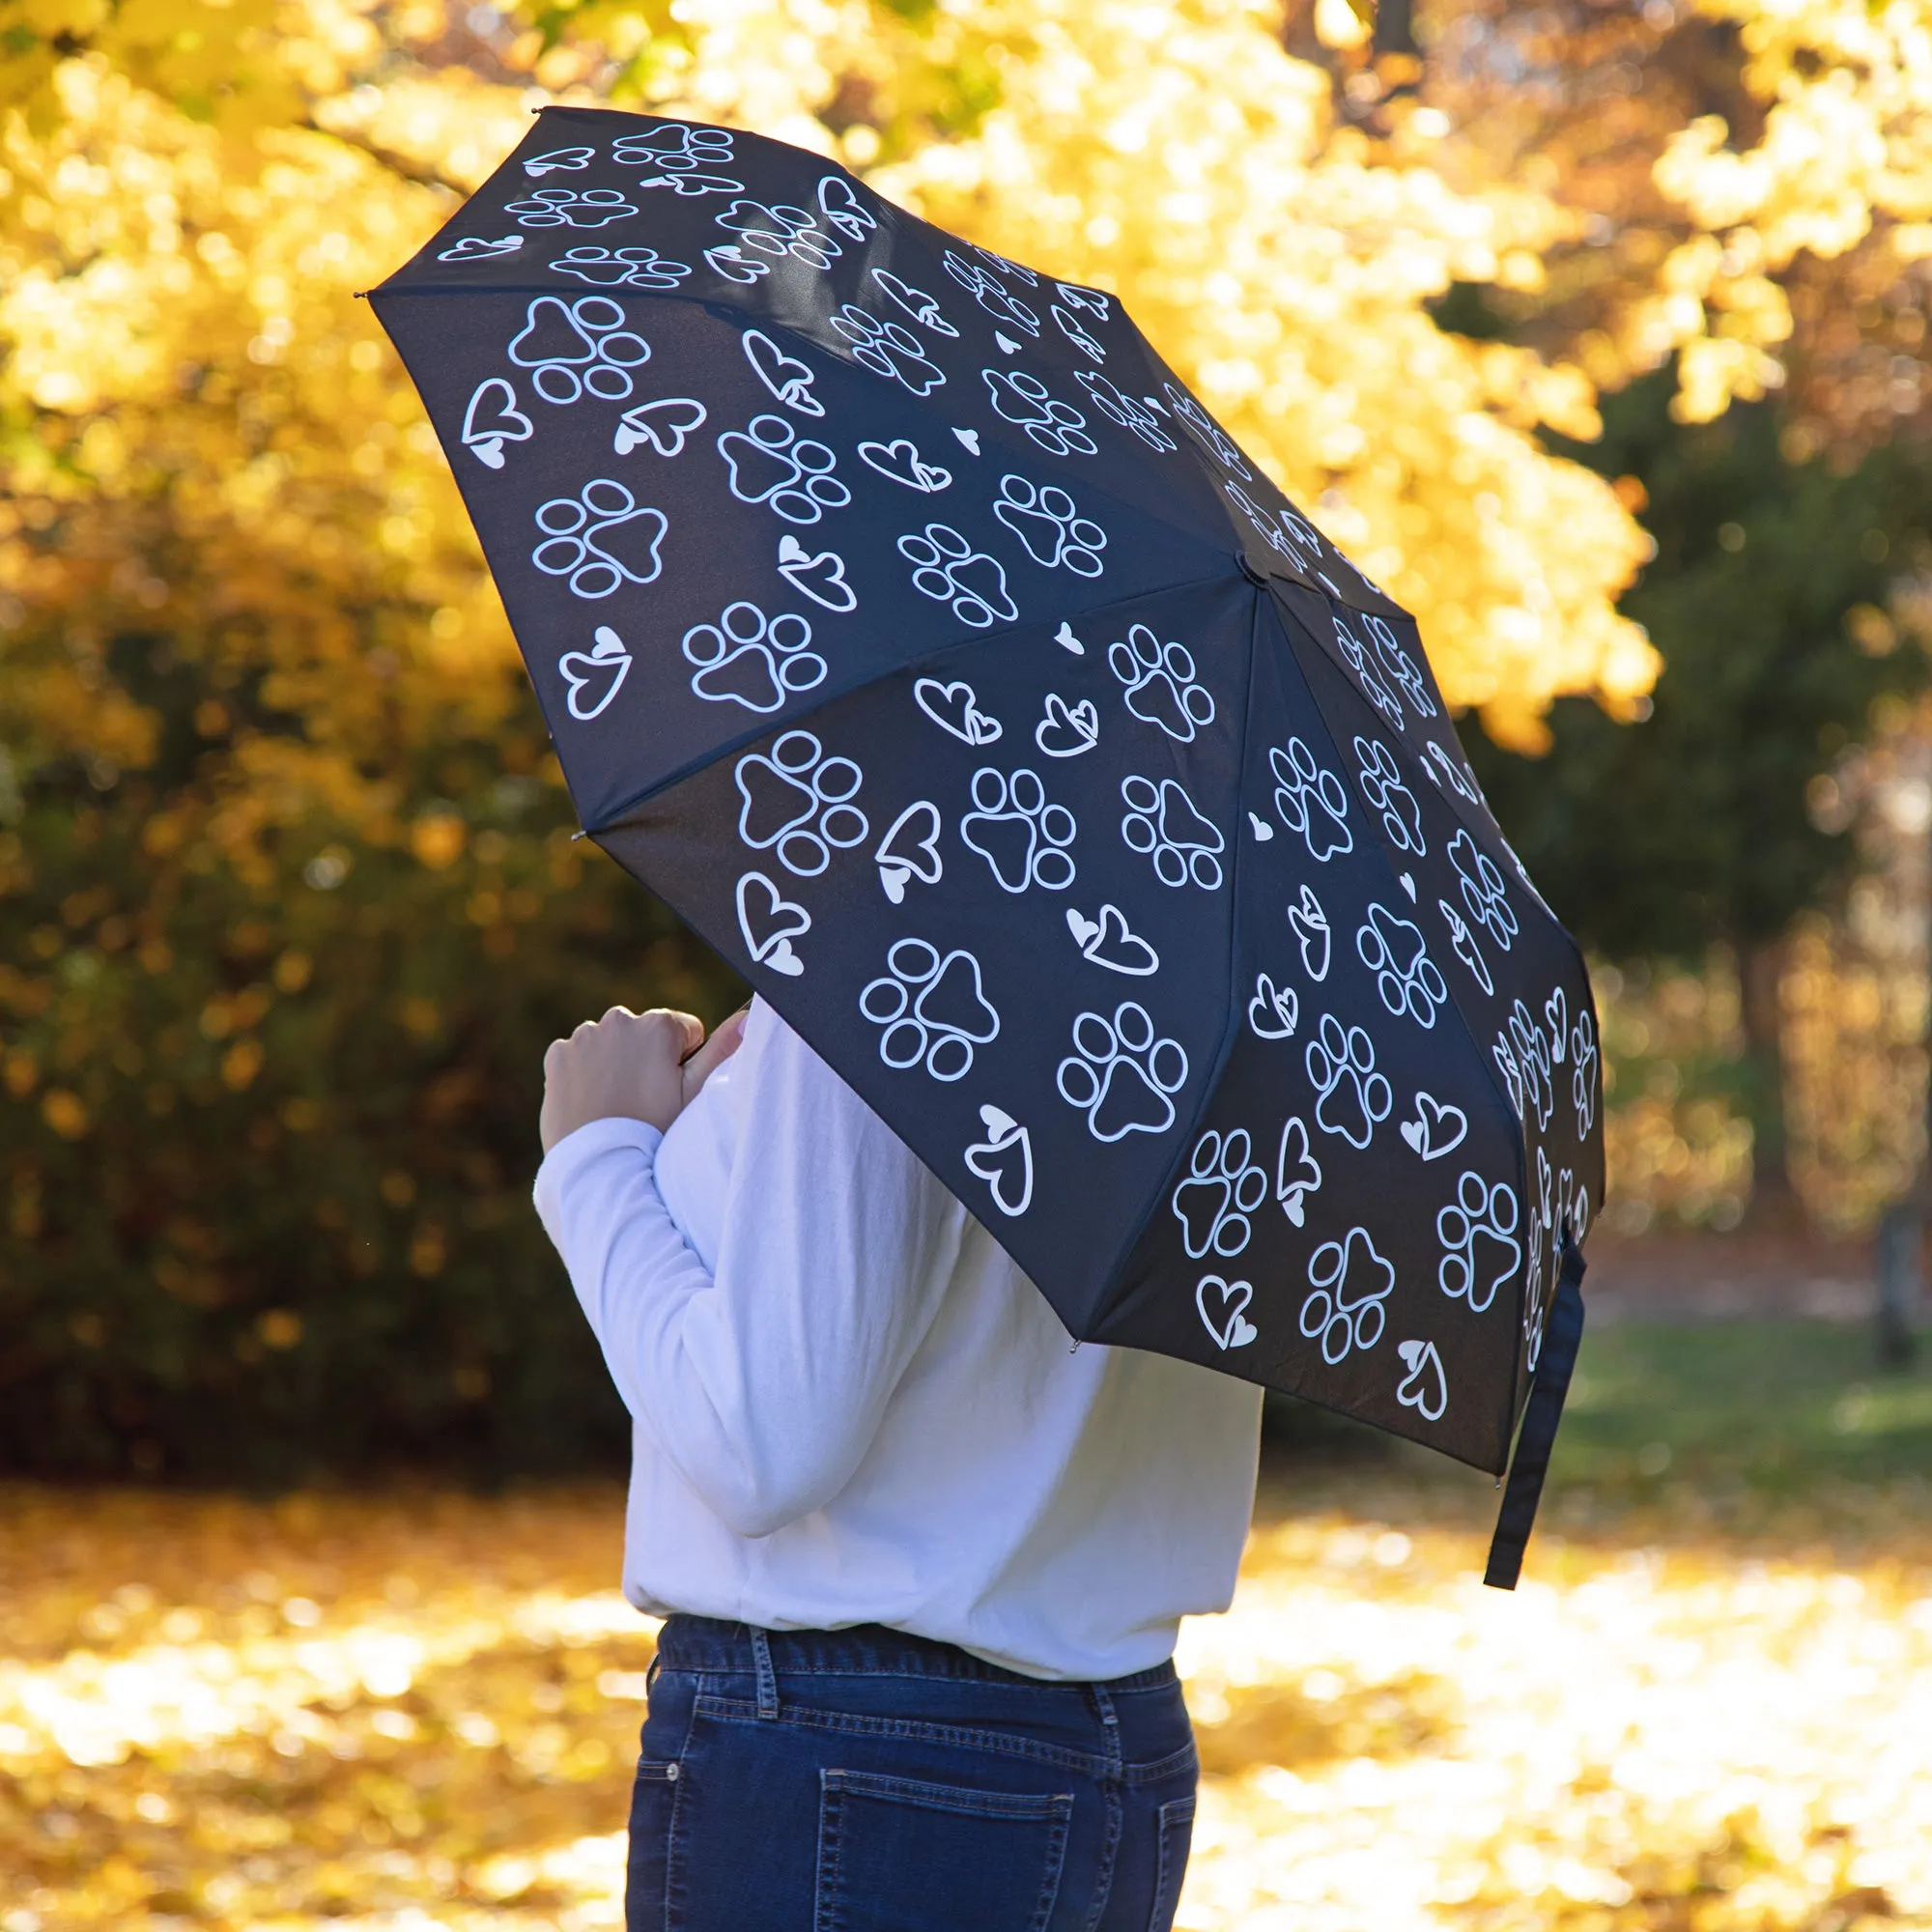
x,y
765,1383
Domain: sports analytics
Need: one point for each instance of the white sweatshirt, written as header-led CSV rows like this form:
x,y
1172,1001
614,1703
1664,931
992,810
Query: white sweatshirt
x,y
851,1406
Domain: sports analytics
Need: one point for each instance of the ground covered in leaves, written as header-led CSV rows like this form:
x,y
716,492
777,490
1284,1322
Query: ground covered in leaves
x,y
1709,1709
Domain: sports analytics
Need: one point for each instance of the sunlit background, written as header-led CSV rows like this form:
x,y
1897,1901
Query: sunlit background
x,y
1594,329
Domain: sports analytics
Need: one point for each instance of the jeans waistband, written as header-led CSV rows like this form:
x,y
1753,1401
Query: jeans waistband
x,y
710,1644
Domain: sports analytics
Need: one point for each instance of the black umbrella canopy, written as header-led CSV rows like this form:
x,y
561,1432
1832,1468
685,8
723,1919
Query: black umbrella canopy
x,y
905,623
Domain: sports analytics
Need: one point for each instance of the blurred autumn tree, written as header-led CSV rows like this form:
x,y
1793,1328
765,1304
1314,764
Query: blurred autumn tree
x,y
1697,825
288,901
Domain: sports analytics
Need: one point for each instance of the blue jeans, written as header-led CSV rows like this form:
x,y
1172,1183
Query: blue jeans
x,y
862,1780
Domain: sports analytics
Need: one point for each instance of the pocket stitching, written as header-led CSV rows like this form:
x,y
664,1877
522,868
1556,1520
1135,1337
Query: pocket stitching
x,y
726,1709
962,1798
1054,1810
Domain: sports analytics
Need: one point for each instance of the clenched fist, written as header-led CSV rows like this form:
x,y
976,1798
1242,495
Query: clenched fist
x,y
632,1067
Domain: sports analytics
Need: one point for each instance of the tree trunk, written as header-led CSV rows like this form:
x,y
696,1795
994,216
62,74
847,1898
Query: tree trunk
x,y
1775,1203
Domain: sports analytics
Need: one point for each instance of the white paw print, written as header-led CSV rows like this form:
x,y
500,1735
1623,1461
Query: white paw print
x,y
840,204
1398,664
990,292
1352,1284
1462,942
1129,412
1018,834
1160,682
1053,530
1386,795
752,659
1090,300
1373,688
1121,1074
570,207
1583,1072
621,267
798,803
1478,1233
1532,1057
781,230
688,157
915,303
1264,525
1058,428
933,1009
1222,1187
1161,820
1078,334
948,567
771,462
1353,1097
600,538
1483,892
888,349
1204,430
579,347
1311,801
1408,979
1450,776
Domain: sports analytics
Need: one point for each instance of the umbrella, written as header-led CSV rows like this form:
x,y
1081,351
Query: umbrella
x,y
904,622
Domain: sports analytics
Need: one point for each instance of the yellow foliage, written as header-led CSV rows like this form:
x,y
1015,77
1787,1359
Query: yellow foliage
x,y
222,449
1846,146
423,1710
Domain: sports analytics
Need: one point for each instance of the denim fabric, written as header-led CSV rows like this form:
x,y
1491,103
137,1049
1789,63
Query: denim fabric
x,y
862,1780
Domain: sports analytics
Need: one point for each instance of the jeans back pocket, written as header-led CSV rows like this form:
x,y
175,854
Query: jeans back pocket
x,y
1177,1835
894,1851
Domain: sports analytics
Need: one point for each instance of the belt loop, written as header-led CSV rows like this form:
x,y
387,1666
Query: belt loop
x,y
1110,1724
768,1682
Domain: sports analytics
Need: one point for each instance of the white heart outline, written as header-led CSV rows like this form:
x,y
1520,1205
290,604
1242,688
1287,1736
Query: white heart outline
x,y
1420,1132
1418,1357
1002,1132
1268,1014
975,728
927,477
1082,719
487,446
1093,936
897,872
481,248
794,392
796,564
607,649
774,951
631,430
1290,1195
1309,922
1234,1331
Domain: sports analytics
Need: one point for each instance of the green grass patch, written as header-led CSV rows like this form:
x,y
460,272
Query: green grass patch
x,y
1773,1410
1772,1407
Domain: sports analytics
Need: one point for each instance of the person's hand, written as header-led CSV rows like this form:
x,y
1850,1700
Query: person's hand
x,y
635,1067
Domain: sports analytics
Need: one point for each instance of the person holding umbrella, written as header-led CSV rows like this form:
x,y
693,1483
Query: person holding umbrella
x,y
1148,1011
921,1562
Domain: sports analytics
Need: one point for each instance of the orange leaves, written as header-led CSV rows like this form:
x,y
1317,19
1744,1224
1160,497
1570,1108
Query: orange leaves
x,y
419,1707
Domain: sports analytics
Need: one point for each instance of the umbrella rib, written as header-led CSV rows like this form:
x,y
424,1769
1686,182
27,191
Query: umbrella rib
x,y
1236,1009
716,754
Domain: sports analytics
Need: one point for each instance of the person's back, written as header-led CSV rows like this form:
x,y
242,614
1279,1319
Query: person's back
x,y
923,1559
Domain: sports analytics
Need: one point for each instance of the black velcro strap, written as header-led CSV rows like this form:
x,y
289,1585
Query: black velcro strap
x,y
1537,1434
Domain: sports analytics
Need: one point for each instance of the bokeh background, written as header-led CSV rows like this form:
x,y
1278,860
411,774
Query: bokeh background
x,y
1594,329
